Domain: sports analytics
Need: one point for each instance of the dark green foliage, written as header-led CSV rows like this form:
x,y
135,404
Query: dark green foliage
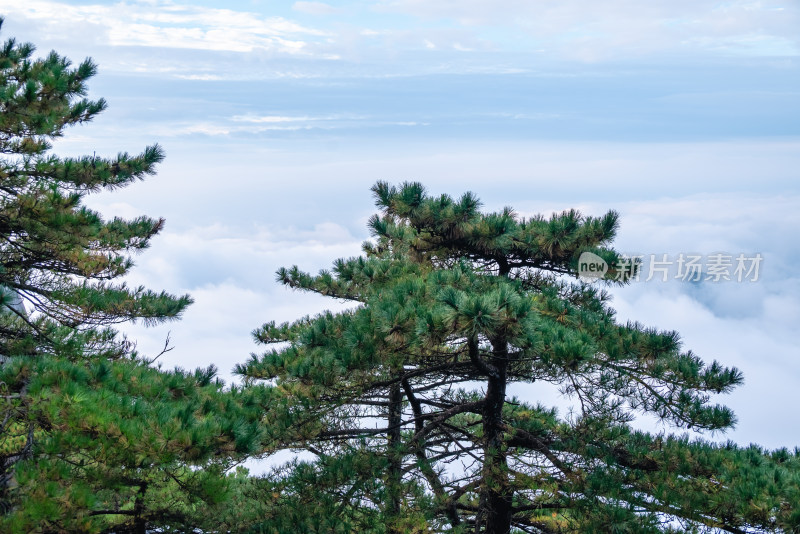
x,y
121,442
336,494
91,437
454,307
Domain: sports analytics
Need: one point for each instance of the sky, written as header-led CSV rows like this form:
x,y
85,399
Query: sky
x,y
277,117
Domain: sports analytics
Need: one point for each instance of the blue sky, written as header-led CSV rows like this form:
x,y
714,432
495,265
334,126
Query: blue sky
x,y
276,118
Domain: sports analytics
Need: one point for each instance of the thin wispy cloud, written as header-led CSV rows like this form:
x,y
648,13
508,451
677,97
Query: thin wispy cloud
x,y
163,24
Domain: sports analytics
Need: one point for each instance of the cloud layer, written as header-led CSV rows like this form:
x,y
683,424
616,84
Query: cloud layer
x,y
277,117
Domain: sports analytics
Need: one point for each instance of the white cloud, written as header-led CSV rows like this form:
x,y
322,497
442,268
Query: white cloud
x,y
269,118
756,345
411,39
203,128
216,253
219,244
748,325
253,124
201,77
230,273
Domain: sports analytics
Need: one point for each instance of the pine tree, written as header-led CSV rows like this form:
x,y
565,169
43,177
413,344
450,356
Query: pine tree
x,y
92,438
454,307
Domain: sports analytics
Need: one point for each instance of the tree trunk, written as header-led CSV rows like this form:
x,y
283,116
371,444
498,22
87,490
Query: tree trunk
x,y
394,482
139,522
494,507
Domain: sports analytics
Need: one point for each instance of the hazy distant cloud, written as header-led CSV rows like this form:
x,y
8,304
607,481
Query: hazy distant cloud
x,y
256,209
229,272
588,30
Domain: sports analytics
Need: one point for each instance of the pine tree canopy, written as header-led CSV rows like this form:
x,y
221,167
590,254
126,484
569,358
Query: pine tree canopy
x,y
406,400
92,438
